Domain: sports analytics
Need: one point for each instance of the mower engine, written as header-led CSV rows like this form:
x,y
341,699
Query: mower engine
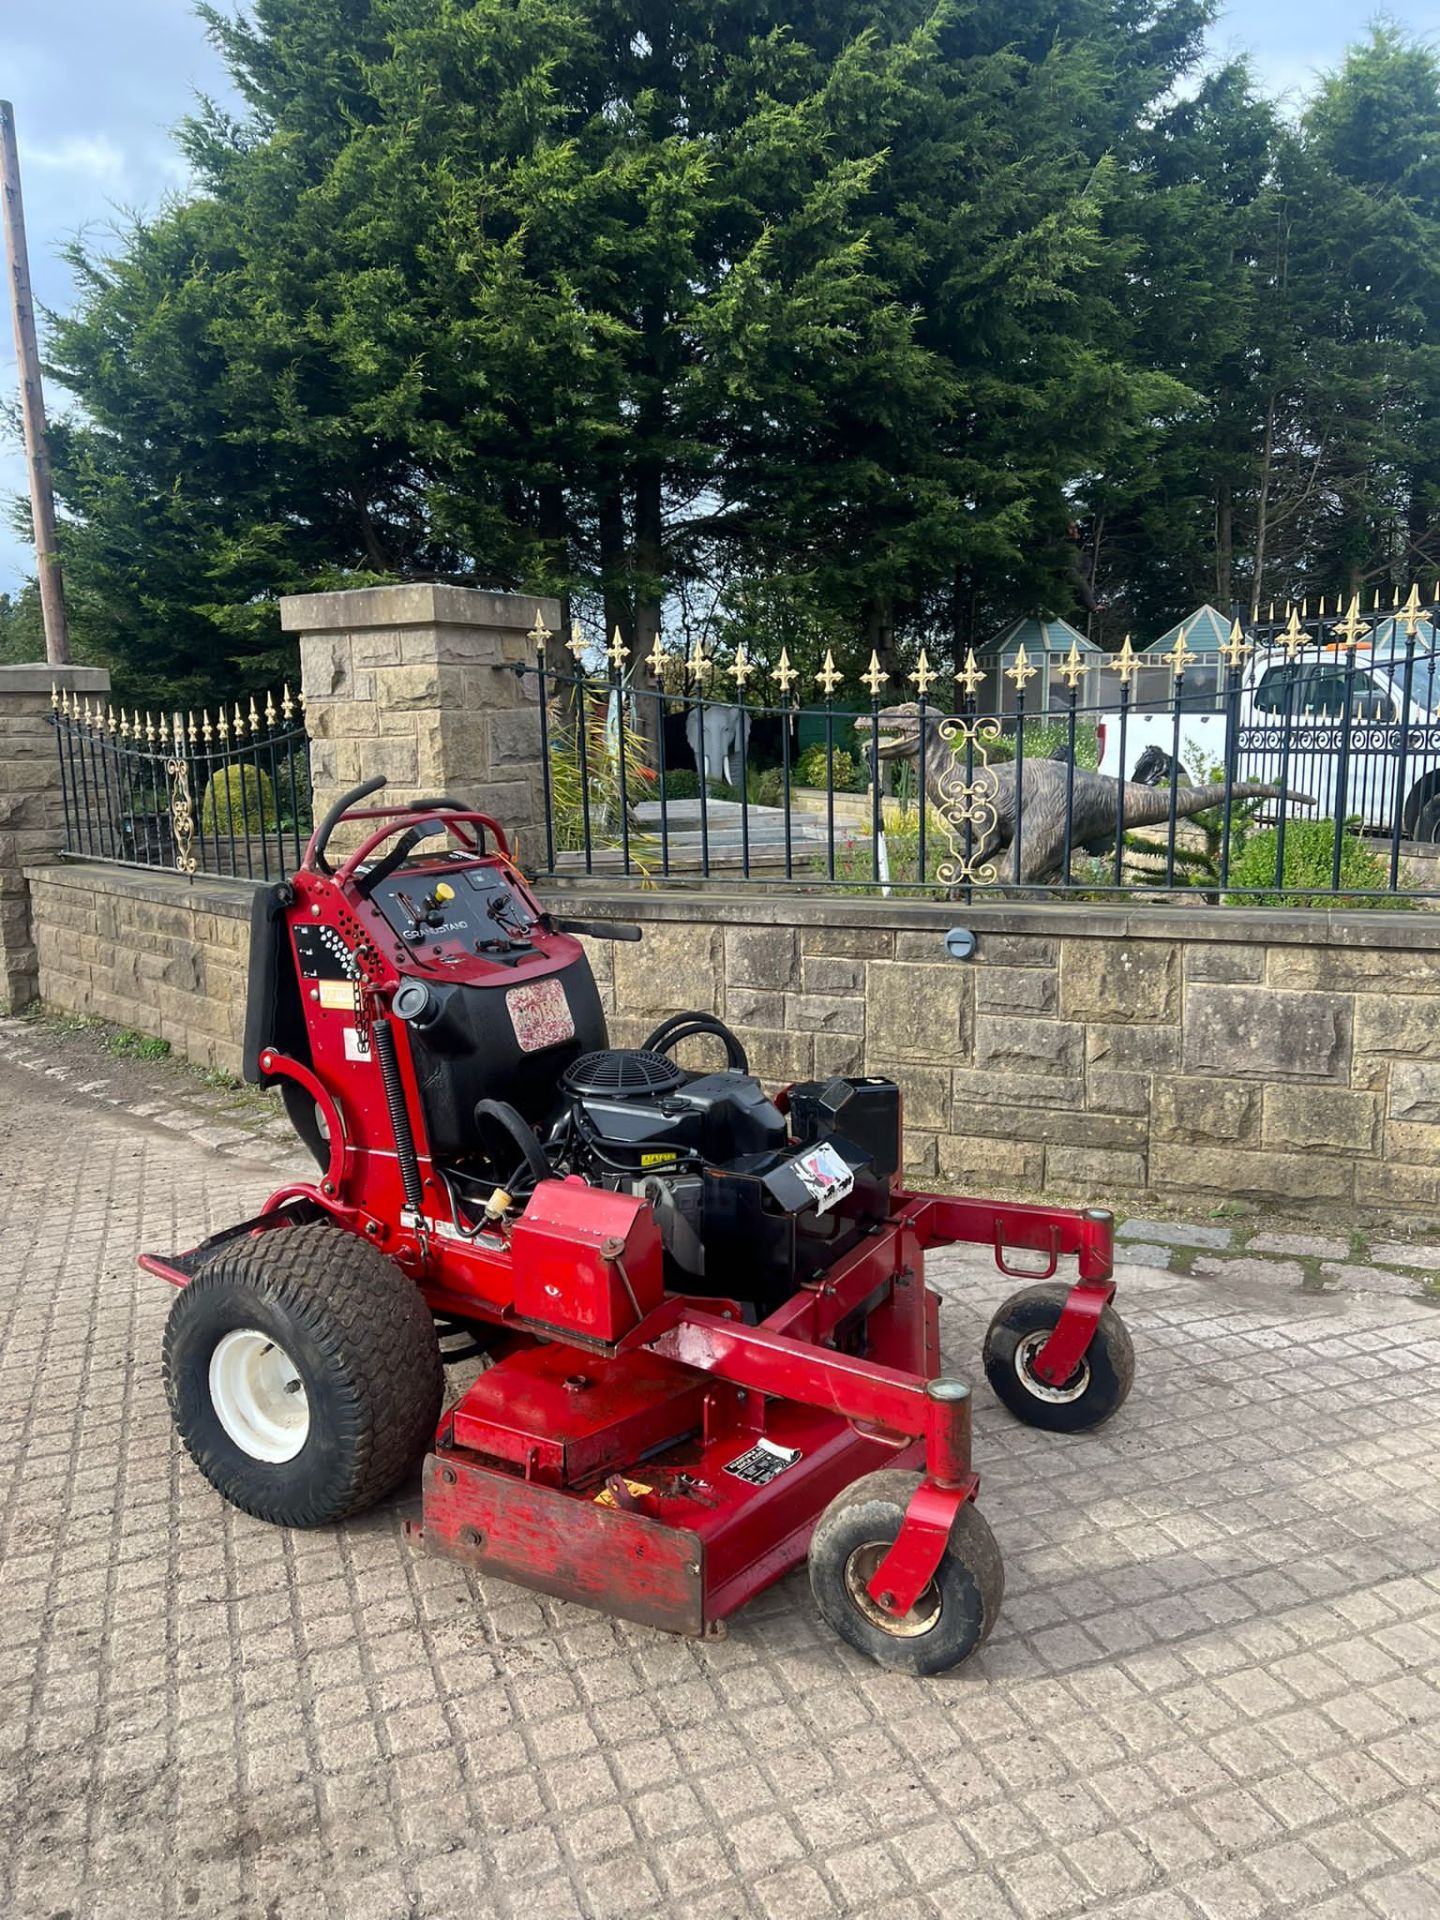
x,y
712,1354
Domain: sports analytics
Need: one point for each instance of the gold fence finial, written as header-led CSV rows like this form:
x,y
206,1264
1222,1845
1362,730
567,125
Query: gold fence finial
x,y
655,661
539,634
1352,628
1124,662
1180,656
1072,667
785,674
1410,614
972,679
1236,650
617,653
741,668
828,677
874,676
577,642
287,705
923,675
1294,636
701,665
271,713
1021,670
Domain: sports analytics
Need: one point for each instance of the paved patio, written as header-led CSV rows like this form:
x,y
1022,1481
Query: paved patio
x,y
1213,1691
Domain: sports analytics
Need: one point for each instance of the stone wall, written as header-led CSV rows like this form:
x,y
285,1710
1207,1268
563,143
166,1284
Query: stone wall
x,y
152,952
1290,1059
32,814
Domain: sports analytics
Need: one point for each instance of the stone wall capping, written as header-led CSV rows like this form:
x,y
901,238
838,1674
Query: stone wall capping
x,y
412,604
37,677
1191,925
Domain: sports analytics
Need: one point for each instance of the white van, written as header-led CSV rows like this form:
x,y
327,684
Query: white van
x,y
1292,727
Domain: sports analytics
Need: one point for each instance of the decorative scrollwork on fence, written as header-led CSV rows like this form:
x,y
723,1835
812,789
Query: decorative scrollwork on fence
x,y
967,802
182,815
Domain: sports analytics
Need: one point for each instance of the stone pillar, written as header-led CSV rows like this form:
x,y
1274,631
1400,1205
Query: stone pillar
x,y
32,813
418,683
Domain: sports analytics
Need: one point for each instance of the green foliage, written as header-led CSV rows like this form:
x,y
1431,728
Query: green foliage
x,y
827,319
818,767
681,784
1309,864
600,785
240,800
126,1044
22,631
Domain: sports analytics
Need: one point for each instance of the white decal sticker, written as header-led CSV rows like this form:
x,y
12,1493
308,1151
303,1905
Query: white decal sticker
x,y
357,1045
826,1175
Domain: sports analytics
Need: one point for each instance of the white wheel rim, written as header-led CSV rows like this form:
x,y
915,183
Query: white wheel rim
x,y
258,1396
1026,1354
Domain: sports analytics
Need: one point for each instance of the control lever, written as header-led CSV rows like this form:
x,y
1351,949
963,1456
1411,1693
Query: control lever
x,y
598,929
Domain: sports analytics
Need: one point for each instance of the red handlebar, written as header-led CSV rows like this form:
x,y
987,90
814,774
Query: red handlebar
x,y
397,818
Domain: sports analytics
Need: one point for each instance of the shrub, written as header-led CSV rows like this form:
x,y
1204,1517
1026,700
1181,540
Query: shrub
x,y
815,768
239,799
1309,863
767,787
681,784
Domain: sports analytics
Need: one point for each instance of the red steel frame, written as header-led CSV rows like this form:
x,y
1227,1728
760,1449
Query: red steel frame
x,y
653,1524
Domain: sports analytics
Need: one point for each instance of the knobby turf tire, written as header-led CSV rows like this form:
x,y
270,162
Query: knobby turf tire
x,y
969,1582
364,1345
1110,1360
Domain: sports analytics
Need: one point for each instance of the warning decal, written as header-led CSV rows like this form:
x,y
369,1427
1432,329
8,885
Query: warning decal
x,y
540,1015
760,1465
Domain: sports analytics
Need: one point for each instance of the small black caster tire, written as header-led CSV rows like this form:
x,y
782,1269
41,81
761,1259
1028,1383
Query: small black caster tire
x,y
303,1374
1097,1388
951,1618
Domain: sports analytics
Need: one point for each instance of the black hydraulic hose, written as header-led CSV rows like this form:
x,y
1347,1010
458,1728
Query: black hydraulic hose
x,y
684,1026
520,1131
384,1043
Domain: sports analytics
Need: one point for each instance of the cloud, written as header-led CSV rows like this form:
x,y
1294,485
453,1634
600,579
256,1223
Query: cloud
x,y
90,156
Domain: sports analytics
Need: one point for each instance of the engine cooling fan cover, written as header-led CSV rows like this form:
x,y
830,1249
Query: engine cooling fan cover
x,y
622,1073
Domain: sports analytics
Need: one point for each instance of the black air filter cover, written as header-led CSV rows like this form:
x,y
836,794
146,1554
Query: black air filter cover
x,y
622,1073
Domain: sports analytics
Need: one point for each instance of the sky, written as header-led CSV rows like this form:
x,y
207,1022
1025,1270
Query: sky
x,y
97,85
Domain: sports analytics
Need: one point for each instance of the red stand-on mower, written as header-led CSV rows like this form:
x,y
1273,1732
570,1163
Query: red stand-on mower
x,y
709,1346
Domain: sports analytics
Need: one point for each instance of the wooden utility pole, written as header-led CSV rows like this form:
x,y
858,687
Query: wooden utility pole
x,y
32,397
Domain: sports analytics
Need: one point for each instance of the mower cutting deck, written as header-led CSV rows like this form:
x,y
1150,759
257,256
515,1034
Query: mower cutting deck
x,y
710,1350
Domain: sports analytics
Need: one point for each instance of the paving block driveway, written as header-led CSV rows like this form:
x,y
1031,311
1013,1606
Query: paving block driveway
x,y
1213,1691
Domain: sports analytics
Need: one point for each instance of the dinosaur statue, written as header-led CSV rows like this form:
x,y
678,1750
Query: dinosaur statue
x,y
1042,801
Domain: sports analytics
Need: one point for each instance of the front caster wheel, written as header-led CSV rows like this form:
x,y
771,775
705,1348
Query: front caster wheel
x,y
303,1374
953,1615
1095,1390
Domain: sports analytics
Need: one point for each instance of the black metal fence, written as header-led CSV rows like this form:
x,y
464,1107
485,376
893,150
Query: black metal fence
x,y
226,795
1297,759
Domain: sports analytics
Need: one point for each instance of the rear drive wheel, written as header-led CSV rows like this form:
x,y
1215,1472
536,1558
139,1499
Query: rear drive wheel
x,y
1096,1389
303,1374
954,1614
